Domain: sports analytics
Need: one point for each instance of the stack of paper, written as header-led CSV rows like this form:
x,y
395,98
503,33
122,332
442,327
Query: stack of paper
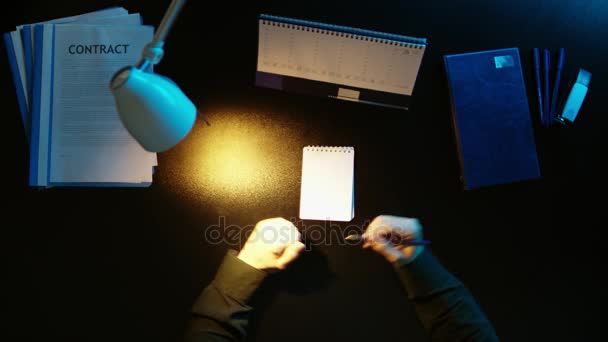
x,y
62,70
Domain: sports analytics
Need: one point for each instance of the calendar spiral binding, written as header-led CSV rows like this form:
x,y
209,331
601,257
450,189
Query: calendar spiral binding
x,y
339,149
343,31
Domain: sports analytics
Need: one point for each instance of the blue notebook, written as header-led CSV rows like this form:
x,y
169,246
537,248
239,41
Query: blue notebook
x,y
491,118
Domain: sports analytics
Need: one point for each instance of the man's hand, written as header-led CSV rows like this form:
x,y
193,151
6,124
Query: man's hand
x,y
273,244
385,228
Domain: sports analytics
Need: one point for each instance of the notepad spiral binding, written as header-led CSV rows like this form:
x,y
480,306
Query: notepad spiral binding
x,y
341,149
344,31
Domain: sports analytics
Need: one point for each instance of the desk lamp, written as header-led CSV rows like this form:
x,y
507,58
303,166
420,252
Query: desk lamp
x,y
153,108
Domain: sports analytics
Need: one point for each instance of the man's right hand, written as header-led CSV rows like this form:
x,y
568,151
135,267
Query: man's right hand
x,y
378,233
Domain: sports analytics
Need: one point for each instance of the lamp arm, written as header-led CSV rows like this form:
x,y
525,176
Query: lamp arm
x,y
153,52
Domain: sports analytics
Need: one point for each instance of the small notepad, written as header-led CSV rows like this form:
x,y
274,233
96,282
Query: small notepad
x,y
327,191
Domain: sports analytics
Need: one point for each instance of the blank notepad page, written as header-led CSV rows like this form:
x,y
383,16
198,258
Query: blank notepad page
x,y
327,191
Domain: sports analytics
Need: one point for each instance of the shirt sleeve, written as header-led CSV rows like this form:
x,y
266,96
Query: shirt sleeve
x,y
221,312
444,305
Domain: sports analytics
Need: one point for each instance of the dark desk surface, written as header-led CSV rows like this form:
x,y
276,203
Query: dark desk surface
x,y
126,264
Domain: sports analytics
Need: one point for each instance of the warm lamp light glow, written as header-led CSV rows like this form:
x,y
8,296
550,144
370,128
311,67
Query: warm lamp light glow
x,y
242,159
236,163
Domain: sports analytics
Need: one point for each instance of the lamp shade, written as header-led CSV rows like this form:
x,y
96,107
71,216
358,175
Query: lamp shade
x,y
152,108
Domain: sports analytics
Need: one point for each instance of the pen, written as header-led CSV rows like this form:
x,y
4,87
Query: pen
x,y
558,74
546,65
538,86
410,242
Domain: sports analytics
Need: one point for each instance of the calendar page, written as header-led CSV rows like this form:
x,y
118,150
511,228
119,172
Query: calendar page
x,y
341,55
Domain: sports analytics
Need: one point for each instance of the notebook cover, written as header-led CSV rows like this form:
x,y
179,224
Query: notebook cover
x,y
491,118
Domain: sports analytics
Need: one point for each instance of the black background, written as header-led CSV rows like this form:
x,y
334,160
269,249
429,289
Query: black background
x,y
88,264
